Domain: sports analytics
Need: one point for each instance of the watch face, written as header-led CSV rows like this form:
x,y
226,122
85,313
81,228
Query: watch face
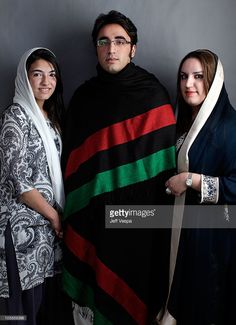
x,y
189,180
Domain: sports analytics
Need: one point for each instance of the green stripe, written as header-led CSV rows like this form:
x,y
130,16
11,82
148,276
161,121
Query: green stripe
x,y
138,171
83,295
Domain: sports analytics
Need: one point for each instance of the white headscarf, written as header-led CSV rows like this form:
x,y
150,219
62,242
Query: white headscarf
x,y
24,96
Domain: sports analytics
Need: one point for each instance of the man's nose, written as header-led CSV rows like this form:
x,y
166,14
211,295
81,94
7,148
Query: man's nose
x,y
112,46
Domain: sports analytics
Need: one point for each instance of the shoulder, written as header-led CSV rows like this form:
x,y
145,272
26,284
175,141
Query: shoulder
x,y
149,80
85,86
14,115
14,110
82,94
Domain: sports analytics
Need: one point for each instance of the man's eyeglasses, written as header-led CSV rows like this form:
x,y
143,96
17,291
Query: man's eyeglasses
x,y
104,42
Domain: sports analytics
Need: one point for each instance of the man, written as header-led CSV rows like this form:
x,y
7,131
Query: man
x,y
118,150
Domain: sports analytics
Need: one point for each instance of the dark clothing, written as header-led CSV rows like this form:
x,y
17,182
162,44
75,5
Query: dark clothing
x,y
118,150
45,304
203,288
20,303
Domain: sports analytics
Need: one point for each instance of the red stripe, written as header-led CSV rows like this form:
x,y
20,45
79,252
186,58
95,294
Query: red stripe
x,y
119,133
107,280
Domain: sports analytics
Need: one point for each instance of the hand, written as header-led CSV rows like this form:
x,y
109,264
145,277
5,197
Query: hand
x,y
177,184
56,224
37,202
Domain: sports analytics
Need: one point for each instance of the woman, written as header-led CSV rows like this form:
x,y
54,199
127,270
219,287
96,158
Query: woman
x,y
31,188
203,256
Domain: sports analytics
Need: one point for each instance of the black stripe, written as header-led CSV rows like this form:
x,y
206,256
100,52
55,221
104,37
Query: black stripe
x,y
120,155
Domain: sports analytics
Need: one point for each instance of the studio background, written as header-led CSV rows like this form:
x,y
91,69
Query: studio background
x,y
167,30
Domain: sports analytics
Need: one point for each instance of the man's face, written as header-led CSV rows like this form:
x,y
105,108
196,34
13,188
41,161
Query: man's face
x,y
113,57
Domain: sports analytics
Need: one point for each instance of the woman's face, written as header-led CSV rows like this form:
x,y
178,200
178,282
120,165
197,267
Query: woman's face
x,y
42,78
192,83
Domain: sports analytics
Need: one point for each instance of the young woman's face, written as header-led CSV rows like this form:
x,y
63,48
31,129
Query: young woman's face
x,y
191,82
42,78
117,50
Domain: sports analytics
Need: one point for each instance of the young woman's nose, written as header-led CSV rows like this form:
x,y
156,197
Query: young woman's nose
x,y
45,79
189,82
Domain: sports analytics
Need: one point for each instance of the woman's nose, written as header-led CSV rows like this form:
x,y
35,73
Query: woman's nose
x,y
45,79
189,82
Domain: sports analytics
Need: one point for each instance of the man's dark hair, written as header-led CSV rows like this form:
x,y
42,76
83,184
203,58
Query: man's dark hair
x,y
115,17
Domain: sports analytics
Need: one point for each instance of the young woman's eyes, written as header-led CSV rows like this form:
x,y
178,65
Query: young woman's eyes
x,y
53,75
184,76
198,76
37,74
40,75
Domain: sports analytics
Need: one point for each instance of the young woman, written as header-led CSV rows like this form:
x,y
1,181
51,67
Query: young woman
x,y
203,256
31,187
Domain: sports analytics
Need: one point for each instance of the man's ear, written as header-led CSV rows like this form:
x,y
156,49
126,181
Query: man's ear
x,y
133,51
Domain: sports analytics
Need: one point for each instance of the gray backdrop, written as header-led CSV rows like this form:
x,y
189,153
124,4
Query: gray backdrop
x,y
167,30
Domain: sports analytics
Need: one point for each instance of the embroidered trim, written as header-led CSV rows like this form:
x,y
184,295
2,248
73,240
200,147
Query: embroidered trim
x,y
180,141
209,189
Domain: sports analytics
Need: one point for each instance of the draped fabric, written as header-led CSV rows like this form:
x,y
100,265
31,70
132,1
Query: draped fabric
x,y
118,149
203,288
24,96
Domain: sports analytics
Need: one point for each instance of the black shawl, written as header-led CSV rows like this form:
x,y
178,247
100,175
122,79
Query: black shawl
x,y
119,149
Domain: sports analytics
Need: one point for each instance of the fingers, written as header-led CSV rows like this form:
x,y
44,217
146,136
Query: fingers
x,y
59,234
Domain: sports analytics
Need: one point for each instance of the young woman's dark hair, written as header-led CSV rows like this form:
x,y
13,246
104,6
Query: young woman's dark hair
x,y
115,17
208,61
54,106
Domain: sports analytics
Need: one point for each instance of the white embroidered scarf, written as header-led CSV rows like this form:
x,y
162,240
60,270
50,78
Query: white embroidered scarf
x,y
24,96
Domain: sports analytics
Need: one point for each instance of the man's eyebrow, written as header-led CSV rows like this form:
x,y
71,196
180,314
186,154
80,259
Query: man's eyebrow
x,y
116,37
120,37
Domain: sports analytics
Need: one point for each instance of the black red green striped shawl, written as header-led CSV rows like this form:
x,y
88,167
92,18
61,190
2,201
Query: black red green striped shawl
x,y
118,149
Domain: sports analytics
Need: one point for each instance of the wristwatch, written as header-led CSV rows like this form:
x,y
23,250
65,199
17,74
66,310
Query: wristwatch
x,y
189,180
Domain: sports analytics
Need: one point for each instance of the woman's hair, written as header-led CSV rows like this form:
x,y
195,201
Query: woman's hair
x,y
115,17
54,106
208,61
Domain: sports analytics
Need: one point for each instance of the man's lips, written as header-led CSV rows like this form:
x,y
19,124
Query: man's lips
x,y
111,59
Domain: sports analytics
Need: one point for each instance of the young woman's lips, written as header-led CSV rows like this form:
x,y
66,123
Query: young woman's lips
x,y
44,90
190,93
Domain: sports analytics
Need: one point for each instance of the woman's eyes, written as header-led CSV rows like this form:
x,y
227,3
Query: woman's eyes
x,y
40,75
52,75
37,74
184,76
198,76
